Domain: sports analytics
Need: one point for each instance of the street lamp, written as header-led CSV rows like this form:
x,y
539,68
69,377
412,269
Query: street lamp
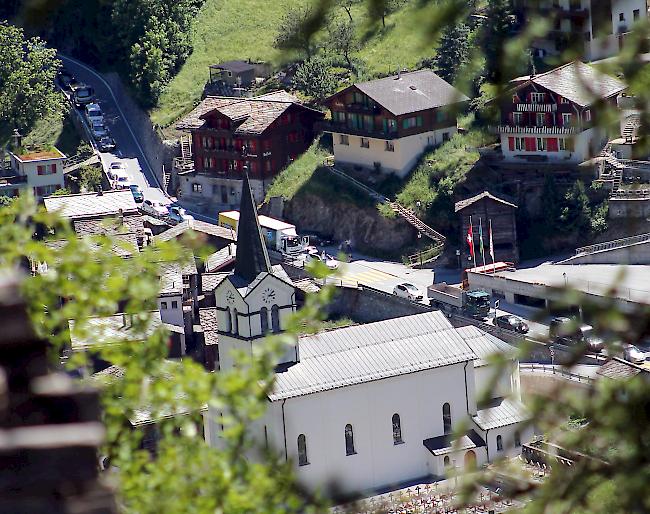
x,y
565,279
458,257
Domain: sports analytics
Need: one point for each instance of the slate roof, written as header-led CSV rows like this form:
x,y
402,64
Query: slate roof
x,y
210,281
502,412
618,369
197,226
443,444
255,114
578,82
307,285
208,321
171,279
459,206
412,92
111,330
253,257
484,345
109,226
364,353
221,258
92,205
124,245
234,66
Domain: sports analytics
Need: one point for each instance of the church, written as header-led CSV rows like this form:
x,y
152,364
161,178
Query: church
x,y
370,406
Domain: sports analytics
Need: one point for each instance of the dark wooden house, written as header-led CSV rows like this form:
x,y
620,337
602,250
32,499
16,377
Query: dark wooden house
x,y
483,208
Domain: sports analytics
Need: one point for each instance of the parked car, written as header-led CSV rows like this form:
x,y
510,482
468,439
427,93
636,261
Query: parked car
x,y
106,144
98,130
510,322
328,260
154,208
408,291
137,193
633,354
177,214
571,332
94,113
120,179
67,80
116,167
83,95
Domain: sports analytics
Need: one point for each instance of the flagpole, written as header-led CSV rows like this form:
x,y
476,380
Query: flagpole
x,y
471,228
480,235
494,267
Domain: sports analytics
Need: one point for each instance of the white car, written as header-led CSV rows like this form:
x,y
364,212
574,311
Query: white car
x,y
94,114
177,214
154,208
633,354
119,179
328,260
408,291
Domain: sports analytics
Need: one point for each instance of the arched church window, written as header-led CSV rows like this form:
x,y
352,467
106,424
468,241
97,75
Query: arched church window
x,y
235,322
517,439
397,429
499,443
264,320
275,318
446,462
302,450
446,418
349,440
228,327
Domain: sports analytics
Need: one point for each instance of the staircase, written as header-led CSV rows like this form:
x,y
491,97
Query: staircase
x,y
632,124
437,238
186,147
423,228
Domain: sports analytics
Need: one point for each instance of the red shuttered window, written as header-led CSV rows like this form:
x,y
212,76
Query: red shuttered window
x,y
530,144
551,144
511,143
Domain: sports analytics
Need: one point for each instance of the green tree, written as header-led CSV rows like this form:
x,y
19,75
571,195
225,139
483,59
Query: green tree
x,y
90,178
27,72
379,9
343,40
296,30
347,6
551,200
576,212
497,29
453,52
314,78
61,192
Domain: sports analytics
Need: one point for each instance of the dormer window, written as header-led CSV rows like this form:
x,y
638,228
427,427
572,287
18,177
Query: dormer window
x,y
537,98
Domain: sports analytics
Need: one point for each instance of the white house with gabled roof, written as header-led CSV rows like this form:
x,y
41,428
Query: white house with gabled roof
x,y
42,171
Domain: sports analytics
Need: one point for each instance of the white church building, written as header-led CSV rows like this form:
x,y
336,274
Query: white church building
x,y
372,406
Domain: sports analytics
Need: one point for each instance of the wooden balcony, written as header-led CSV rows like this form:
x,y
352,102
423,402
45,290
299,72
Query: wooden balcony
x,y
532,107
548,131
343,128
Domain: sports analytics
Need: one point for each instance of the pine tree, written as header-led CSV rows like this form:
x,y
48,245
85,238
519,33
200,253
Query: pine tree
x,y
497,29
453,52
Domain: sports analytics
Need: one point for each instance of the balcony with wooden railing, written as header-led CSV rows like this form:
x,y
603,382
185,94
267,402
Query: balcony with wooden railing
x,y
534,107
542,131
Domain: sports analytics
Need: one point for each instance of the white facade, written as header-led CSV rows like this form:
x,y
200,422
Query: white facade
x,y
171,309
43,170
624,14
220,193
392,155
586,144
321,415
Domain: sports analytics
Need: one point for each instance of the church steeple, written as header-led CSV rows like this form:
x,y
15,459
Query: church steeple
x,y
252,257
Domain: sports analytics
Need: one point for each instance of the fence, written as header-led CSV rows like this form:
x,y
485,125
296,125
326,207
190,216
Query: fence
x,y
556,370
616,243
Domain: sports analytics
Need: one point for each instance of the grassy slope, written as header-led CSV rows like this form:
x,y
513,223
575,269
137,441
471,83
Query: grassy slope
x,y
224,30
239,29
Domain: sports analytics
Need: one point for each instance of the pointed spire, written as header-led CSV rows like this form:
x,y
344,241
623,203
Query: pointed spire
x,y
252,257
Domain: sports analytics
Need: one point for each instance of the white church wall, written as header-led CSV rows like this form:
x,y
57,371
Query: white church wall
x,y
418,399
507,434
504,386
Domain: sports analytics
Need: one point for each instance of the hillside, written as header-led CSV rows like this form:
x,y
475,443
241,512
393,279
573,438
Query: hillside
x,y
240,29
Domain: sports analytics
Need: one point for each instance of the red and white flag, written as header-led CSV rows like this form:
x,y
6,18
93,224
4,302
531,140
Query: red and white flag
x,y
470,238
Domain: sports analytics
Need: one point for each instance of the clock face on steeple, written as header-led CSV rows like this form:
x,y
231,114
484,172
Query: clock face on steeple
x,y
268,295
230,297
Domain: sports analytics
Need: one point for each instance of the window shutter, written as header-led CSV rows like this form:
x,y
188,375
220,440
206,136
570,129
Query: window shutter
x,y
511,143
551,143
530,144
548,119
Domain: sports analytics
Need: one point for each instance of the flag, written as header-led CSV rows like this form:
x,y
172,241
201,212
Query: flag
x,y
480,238
491,243
470,238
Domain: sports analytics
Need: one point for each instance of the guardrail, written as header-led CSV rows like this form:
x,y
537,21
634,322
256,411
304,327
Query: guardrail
x,y
555,370
616,243
329,164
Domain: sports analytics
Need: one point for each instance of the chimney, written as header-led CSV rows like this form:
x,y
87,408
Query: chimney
x,y
120,216
17,139
100,191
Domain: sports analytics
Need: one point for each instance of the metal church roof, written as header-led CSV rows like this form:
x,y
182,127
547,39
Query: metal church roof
x,y
364,353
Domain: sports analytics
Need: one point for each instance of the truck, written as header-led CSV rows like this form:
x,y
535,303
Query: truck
x,y
454,300
278,235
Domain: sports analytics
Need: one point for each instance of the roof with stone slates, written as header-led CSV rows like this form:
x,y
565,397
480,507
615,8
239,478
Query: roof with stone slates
x,y
412,92
193,119
111,330
92,205
123,245
234,66
459,206
578,82
501,413
209,324
171,278
197,226
364,353
217,260
617,369
109,226
210,281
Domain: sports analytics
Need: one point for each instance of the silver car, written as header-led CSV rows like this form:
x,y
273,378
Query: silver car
x,y
408,291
